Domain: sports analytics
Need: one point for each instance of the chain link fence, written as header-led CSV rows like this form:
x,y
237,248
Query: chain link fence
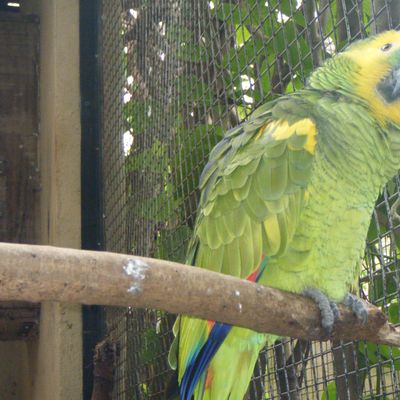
x,y
175,75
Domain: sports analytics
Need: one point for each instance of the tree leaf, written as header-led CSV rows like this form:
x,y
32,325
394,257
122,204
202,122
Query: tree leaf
x,y
330,392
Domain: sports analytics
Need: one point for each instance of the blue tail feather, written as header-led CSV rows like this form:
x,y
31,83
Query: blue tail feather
x,y
199,364
200,360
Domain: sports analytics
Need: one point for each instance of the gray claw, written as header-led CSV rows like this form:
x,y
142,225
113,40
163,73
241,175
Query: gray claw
x,y
329,309
335,309
357,306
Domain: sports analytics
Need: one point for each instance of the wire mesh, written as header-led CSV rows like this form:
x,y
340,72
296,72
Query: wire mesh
x,y
176,74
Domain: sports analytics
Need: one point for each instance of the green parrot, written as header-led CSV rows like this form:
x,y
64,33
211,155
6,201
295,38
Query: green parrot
x,y
286,201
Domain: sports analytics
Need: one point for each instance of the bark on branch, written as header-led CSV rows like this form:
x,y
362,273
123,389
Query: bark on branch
x,y
42,273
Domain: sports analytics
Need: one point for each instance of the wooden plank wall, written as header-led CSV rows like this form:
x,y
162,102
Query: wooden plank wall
x,y
19,173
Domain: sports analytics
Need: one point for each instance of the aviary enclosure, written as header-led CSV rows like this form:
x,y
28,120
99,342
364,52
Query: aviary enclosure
x,y
174,76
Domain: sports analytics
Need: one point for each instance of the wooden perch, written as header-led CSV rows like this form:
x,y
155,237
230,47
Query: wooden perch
x,y
42,273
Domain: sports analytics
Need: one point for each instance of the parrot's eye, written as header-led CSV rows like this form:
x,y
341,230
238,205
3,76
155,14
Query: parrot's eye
x,y
386,47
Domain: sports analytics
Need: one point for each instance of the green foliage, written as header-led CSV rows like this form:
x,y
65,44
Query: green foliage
x,y
150,346
171,243
147,159
386,356
330,392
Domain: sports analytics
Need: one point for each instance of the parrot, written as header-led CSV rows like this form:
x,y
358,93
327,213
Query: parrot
x,y
286,200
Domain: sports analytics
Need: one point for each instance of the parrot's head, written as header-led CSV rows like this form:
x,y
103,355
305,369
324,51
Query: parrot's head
x,y
370,70
377,80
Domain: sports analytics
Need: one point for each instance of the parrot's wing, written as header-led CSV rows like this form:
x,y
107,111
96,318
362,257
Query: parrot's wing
x,y
253,190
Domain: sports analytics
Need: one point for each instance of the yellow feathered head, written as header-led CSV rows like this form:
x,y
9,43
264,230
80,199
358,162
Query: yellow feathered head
x,y
370,70
378,76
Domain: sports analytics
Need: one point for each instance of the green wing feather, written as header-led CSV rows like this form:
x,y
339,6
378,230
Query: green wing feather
x,y
253,190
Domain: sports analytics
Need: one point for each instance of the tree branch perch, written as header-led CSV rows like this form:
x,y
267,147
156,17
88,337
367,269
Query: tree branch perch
x,y
43,273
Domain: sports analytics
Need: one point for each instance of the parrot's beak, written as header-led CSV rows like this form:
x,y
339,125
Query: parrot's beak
x,y
396,89
389,87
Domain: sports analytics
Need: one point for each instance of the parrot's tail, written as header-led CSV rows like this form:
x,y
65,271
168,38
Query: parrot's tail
x,y
221,371
229,382
232,367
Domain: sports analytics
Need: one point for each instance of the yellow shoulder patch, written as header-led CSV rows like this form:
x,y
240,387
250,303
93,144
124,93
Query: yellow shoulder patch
x,y
308,128
282,130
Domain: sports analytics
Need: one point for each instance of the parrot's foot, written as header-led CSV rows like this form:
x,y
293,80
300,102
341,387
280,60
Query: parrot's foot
x,y
357,306
329,309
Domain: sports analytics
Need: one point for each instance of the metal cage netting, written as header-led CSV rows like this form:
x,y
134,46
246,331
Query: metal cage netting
x,y
176,75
